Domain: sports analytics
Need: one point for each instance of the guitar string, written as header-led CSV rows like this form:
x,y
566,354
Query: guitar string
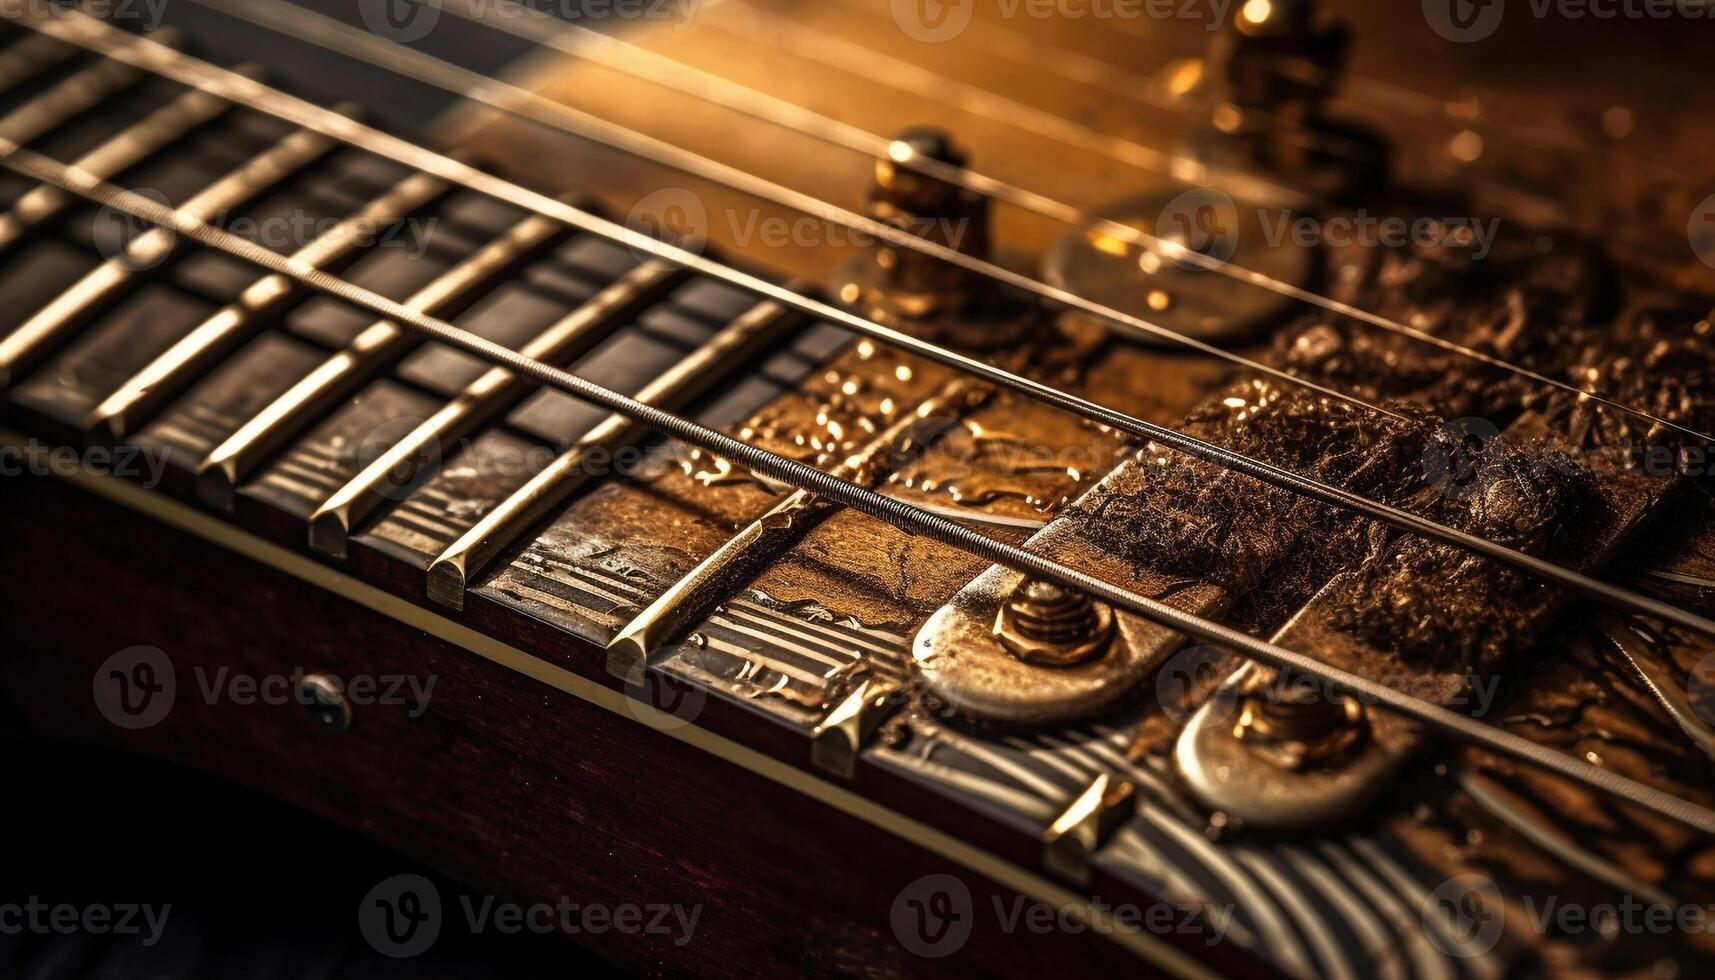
x,y
765,27
1083,69
1102,74
882,69
287,18
1601,591
698,83
409,145
900,514
595,45
1495,192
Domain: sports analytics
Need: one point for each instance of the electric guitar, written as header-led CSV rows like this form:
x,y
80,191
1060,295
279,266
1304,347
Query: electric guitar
x,y
998,487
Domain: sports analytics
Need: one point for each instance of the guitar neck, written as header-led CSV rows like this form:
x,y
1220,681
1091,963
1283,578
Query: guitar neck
x,y
749,619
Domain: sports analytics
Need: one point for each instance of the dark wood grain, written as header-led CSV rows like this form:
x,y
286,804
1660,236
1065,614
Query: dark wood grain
x,y
509,785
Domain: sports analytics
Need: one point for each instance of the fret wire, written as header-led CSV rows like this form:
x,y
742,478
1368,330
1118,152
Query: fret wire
x,y
114,156
180,365
371,351
905,516
98,37
688,379
761,542
32,340
733,95
494,392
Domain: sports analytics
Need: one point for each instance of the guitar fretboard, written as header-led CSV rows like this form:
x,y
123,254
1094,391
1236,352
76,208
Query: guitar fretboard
x,y
262,397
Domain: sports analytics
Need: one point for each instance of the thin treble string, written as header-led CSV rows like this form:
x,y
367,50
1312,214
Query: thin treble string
x,y
287,18
701,84
150,56
1084,69
852,57
900,514
765,27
